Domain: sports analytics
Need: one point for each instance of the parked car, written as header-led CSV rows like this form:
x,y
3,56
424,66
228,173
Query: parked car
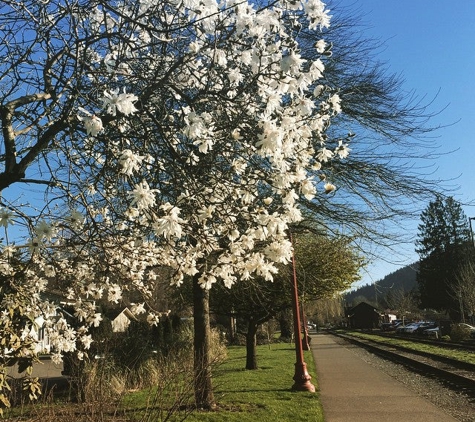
x,y
468,326
412,328
435,332
425,326
432,332
386,326
402,329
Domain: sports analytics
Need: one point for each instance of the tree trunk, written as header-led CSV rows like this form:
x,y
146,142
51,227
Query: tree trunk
x,y
285,322
204,396
251,343
232,330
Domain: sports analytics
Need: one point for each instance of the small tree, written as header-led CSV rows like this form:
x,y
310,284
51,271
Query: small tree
x,y
252,304
319,276
464,290
402,302
328,310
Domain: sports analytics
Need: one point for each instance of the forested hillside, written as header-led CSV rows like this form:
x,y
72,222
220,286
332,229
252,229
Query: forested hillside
x,y
402,279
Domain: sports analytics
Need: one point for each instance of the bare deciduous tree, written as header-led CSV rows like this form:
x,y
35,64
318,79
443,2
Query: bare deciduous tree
x,y
464,290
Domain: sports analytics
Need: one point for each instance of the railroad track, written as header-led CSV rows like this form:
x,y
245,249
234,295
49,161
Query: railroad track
x,y
458,376
469,345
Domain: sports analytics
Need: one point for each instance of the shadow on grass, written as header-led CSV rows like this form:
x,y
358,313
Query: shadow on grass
x,y
260,390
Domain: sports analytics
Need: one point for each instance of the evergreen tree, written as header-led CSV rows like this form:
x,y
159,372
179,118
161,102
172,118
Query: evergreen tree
x,y
443,245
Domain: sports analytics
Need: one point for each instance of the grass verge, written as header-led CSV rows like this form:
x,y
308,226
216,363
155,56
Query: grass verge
x,y
461,355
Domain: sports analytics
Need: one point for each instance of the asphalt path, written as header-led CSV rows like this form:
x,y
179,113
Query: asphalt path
x,y
351,389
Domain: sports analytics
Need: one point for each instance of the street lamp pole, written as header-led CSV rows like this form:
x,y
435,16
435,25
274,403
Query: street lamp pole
x,y
301,377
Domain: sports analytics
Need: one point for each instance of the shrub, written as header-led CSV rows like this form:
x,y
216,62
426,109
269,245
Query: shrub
x,y
459,333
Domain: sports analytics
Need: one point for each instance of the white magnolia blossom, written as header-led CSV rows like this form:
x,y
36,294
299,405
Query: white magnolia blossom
x,y
94,320
320,46
153,319
6,217
114,293
86,340
335,103
342,150
308,189
138,308
169,225
142,196
92,123
35,244
114,102
329,187
130,162
76,220
45,230
57,358
324,155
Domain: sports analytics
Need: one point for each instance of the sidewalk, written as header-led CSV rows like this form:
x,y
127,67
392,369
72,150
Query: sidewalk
x,y
352,390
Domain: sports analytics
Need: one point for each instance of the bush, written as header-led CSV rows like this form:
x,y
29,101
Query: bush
x,y
123,366
135,360
132,348
459,333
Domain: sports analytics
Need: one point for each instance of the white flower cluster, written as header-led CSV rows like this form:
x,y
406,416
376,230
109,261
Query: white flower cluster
x,y
208,139
130,162
265,133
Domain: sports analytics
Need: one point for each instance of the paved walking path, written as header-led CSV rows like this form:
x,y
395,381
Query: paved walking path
x,y
352,390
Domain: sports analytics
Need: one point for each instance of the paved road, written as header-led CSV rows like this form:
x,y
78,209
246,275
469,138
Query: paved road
x,y
43,369
49,374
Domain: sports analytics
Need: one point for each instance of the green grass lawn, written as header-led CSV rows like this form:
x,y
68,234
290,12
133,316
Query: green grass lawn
x,y
264,394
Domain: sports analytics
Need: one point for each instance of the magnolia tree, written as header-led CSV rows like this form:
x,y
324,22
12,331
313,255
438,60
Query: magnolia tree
x,y
145,134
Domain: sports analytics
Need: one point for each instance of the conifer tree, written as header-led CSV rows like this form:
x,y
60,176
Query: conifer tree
x,y
443,245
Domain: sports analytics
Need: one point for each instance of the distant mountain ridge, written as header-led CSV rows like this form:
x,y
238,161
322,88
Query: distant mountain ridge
x,y
402,279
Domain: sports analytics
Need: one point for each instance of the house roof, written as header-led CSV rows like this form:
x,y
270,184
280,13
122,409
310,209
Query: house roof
x,y
114,313
363,305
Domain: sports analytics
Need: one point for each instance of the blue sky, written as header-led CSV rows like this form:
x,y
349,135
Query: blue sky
x,y
432,44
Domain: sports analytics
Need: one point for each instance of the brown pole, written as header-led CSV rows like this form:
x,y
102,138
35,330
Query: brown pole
x,y
301,376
